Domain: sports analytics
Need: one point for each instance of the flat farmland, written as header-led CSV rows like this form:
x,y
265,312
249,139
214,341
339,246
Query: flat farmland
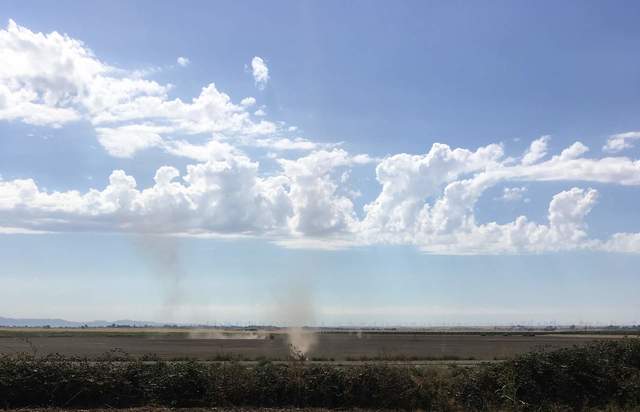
x,y
213,345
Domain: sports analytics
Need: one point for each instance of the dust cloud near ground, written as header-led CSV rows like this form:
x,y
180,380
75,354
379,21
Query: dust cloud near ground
x,y
295,309
222,335
301,341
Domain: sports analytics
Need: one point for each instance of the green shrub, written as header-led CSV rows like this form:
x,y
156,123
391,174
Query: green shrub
x,y
577,378
598,376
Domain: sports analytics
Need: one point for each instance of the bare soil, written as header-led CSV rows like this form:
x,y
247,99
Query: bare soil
x,y
330,346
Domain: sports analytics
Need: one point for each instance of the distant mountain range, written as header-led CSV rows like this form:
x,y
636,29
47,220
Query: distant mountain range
x,y
62,323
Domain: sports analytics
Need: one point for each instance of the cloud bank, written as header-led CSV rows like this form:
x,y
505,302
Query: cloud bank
x,y
425,200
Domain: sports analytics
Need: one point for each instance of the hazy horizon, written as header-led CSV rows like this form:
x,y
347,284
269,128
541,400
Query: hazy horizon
x,y
141,323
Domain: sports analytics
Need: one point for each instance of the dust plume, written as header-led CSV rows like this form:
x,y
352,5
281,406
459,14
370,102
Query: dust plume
x,y
301,341
162,254
295,309
219,334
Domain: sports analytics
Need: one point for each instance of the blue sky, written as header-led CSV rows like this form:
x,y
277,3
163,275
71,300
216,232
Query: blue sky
x,y
333,186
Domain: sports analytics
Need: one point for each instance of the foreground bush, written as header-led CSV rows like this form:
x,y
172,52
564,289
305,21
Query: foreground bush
x,y
603,374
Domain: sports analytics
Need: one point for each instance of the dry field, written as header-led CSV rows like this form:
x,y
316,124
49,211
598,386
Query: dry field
x,y
208,344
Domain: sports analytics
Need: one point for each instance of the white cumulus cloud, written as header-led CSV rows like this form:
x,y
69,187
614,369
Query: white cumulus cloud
x,y
248,101
426,200
260,72
52,79
620,141
537,150
514,194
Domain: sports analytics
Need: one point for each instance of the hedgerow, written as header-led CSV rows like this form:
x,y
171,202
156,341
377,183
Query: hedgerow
x,y
600,375
593,376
